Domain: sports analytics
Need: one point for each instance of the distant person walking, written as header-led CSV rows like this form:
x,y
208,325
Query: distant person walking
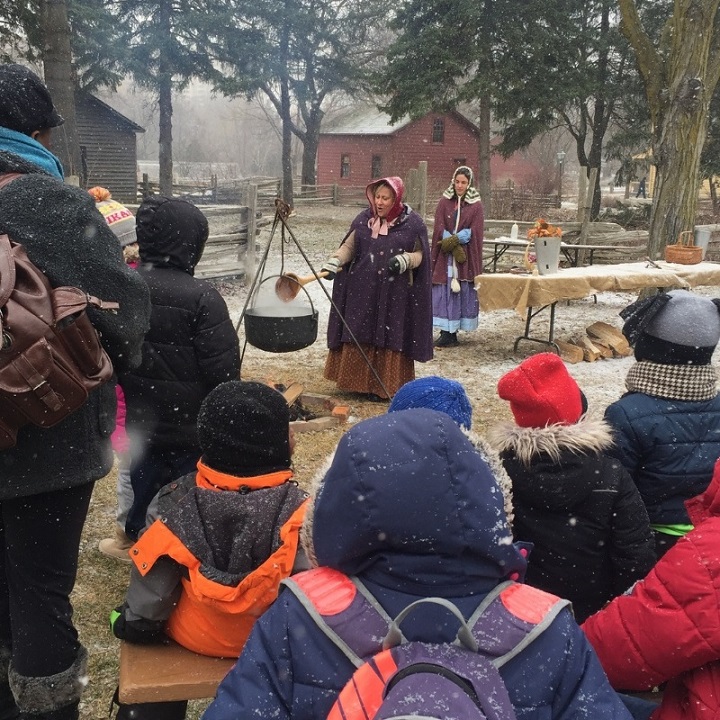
x,y
457,245
641,188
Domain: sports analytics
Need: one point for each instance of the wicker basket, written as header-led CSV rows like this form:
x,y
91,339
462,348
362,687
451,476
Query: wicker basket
x,y
684,252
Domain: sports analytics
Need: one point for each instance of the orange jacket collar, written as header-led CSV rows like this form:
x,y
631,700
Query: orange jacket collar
x,y
214,480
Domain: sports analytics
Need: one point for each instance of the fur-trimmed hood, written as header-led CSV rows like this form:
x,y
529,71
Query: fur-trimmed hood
x,y
452,528
587,436
486,451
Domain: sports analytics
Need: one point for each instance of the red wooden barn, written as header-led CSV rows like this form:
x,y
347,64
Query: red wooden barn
x,y
367,146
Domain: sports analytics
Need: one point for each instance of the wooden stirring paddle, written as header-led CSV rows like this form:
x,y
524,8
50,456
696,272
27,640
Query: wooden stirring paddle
x,y
288,285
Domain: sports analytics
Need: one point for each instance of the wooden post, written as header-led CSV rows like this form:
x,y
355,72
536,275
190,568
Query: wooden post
x,y
145,185
335,194
422,188
411,187
251,202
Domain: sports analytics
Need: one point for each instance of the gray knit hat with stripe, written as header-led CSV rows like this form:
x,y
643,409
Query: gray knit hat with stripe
x,y
674,328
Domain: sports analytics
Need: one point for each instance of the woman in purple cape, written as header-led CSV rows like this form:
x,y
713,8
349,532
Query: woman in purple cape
x,y
457,258
382,292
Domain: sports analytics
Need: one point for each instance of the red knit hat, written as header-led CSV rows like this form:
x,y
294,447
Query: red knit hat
x,y
541,392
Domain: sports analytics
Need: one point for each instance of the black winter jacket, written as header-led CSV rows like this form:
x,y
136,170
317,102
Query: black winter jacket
x,y
68,239
191,346
580,509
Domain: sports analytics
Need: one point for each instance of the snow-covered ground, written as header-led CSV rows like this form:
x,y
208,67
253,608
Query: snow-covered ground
x,y
478,362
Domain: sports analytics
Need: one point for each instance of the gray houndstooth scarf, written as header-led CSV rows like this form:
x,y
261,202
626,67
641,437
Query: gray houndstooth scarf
x,y
673,382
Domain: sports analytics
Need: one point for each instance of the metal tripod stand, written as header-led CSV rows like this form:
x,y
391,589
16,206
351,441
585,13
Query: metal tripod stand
x,y
282,212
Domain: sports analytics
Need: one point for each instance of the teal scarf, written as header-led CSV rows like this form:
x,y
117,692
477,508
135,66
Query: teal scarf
x,y
30,150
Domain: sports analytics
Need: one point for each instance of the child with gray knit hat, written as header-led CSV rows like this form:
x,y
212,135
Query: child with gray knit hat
x,y
227,534
667,426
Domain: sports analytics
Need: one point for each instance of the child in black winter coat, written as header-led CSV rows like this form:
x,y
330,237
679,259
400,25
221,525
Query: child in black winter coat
x,y
226,535
579,507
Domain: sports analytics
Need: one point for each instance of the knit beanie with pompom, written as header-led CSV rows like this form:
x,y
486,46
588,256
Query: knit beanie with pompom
x,y
244,429
120,220
435,393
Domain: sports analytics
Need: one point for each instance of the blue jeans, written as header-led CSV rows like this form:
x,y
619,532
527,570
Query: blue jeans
x,y
148,473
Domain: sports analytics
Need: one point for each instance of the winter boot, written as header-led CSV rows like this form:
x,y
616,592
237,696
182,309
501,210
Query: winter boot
x,y
53,697
8,708
153,711
116,547
68,712
446,339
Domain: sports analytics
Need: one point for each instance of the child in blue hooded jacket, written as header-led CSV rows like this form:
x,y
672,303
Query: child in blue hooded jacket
x,y
409,509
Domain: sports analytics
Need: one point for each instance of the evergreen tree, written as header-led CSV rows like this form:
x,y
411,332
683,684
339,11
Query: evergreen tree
x,y
77,44
60,81
541,63
443,56
298,53
168,45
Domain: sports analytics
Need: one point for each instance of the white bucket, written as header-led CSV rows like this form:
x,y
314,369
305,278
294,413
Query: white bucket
x,y
547,252
702,238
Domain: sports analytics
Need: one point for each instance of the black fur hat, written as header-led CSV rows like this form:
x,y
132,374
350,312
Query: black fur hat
x,y
244,429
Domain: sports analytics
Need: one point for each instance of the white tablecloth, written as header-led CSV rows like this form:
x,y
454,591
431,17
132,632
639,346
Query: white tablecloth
x,y
507,290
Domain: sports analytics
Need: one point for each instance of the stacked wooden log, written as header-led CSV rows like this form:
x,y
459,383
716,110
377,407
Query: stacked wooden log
x,y
601,341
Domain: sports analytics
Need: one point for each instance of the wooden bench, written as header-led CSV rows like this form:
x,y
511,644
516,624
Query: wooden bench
x,y
159,673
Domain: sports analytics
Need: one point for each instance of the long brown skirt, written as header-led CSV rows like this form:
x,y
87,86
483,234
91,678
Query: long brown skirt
x,y
348,369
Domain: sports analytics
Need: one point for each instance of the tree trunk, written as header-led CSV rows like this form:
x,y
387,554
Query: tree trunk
x,y
60,80
166,110
601,114
680,79
311,141
165,155
676,149
286,119
484,178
